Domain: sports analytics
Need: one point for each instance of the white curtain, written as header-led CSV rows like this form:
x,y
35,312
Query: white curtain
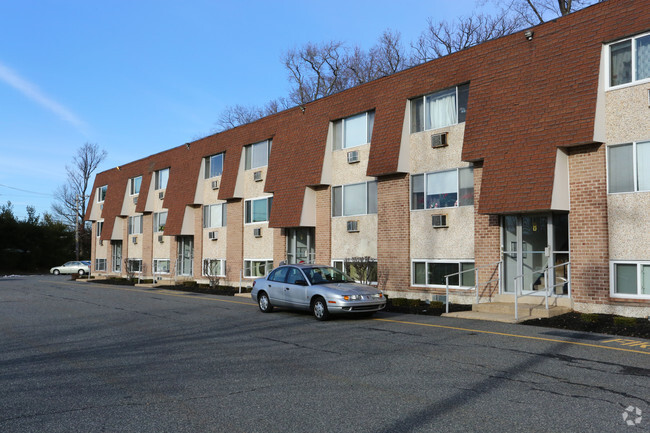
x,y
441,109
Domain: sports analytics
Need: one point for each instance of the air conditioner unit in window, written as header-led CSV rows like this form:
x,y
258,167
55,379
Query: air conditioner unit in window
x,y
213,235
257,176
257,232
101,242
135,200
134,239
439,220
439,140
215,184
161,195
353,156
161,238
353,226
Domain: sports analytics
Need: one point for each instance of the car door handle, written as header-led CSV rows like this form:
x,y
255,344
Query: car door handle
x,y
287,288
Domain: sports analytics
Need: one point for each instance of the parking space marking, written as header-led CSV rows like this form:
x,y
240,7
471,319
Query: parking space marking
x,y
626,342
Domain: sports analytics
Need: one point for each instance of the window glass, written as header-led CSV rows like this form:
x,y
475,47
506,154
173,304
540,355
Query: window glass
x,y
466,186
626,279
463,96
102,193
161,266
417,191
337,201
442,189
338,134
354,199
279,275
162,176
214,215
135,225
99,227
419,273
441,109
417,115
213,166
643,165
620,63
159,221
467,278
294,275
256,268
621,173
643,57
135,185
355,130
372,197
645,279
437,272
258,210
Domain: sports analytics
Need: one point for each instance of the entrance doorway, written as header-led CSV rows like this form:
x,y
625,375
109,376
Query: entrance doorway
x,y
185,255
116,256
531,245
300,245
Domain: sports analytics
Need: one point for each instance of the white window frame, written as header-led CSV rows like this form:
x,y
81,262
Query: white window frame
x,y
251,150
612,279
248,267
132,185
162,177
209,163
366,199
635,170
157,225
608,63
222,267
426,183
139,271
101,193
341,267
156,263
433,261
208,209
436,94
249,202
132,227
99,226
98,267
339,128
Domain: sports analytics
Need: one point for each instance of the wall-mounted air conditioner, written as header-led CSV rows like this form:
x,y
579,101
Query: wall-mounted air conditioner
x,y
353,156
215,184
353,226
439,220
134,239
161,195
257,232
439,140
135,200
101,243
213,235
161,238
257,176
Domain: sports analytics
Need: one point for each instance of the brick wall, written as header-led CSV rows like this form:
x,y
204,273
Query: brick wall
x,y
279,245
147,245
323,241
487,240
393,240
588,232
197,262
235,230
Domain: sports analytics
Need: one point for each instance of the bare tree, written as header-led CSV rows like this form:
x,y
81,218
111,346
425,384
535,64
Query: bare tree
x,y
533,12
71,197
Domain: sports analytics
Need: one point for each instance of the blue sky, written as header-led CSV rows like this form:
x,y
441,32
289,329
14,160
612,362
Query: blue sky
x,y
141,76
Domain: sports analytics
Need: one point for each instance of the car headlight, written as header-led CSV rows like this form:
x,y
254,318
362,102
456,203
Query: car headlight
x,y
352,297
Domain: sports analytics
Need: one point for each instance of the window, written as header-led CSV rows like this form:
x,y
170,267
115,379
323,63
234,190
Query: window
x,y
442,189
162,177
214,215
100,264
257,155
135,225
257,268
354,130
98,228
432,273
159,221
629,60
161,266
630,280
101,193
440,109
628,167
258,210
362,271
213,165
134,265
354,199
214,268
135,185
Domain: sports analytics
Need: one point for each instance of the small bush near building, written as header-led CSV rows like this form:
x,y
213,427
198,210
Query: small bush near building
x,y
598,323
417,306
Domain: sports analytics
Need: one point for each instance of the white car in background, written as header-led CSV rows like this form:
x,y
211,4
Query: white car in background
x,y
74,267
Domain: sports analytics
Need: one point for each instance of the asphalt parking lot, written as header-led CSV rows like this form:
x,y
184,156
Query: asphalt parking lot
x,y
86,357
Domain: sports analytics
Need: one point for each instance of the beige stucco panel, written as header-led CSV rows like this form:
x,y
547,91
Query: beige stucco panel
x,y
344,173
258,248
628,114
360,244
425,158
628,222
454,242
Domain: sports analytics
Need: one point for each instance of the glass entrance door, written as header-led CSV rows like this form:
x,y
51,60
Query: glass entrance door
x,y
116,256
300,245
531,245
185,255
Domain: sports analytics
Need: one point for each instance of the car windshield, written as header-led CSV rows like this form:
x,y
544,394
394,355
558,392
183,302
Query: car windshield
x,y
326,274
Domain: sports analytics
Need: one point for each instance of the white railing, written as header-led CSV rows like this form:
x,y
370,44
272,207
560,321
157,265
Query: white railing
x,y
549,273
477,285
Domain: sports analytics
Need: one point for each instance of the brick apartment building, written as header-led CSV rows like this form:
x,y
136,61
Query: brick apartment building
x,y
522,163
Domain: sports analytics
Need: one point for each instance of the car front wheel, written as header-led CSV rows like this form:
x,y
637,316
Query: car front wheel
x,y
319,308
56,272
81,272
264,303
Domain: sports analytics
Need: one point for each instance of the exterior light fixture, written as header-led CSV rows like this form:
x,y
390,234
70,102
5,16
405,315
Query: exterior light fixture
x,y
187,145
529,34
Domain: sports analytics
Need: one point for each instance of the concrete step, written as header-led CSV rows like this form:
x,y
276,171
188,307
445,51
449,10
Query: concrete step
x,y
491,317
524,309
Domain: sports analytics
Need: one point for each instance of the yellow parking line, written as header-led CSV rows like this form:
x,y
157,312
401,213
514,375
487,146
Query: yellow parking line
x,y
552,340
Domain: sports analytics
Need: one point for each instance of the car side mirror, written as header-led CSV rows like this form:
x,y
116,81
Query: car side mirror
x,y
301,283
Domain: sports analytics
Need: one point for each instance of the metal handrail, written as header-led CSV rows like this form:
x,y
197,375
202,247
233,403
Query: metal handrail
x,y
519,282
476,281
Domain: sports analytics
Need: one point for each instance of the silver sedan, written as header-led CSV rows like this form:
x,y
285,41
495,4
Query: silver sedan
x,y
323,290
73,267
